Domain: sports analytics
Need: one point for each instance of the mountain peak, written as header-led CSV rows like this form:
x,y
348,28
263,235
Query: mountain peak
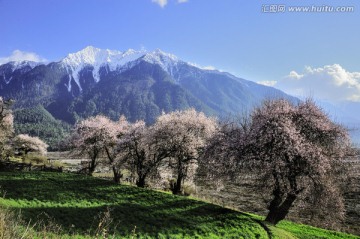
x,y
21,64
96,57
159,52
90,48
115,60
89,55
15,65
167,61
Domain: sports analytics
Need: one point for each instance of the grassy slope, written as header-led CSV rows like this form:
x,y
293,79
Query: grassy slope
x,y
75,202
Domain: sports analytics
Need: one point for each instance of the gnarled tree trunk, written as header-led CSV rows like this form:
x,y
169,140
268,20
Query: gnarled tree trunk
x,y
279,208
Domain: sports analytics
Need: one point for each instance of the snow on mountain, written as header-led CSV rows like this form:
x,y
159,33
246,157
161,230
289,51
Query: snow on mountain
x,y
167,61
95,57
7,69
115,60
21,64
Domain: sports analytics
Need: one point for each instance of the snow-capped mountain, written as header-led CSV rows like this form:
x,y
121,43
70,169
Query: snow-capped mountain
x,y
16,65
112,60
166,61
97,58
7,70
138,84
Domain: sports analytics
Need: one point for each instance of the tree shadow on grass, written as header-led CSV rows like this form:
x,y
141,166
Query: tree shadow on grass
x,y
76,202
148,220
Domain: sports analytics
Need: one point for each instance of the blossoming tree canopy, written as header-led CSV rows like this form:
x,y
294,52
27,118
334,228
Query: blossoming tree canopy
x,y
295,151
183,134
25,143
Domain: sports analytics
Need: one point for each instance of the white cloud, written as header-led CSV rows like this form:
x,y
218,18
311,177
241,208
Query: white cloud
x,y
267,82
211,68
295,75
331,82
161,3
18,55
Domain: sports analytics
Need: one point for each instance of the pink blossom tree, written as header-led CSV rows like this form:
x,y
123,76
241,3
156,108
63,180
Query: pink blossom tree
x,y
140,151
25,144
296,151
299,150
98,136
111,135
177,136
183,135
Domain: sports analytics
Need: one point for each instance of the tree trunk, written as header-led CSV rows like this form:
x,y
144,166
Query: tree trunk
x,y
92,166
176,187
140,182
92,163
278,210
117,174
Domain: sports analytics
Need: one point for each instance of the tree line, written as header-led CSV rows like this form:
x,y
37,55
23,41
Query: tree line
x,y
176,140
297,152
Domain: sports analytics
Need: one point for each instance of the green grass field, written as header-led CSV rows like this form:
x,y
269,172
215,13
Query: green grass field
x,y
77,203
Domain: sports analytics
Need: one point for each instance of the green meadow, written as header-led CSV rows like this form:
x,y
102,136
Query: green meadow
x,y
80,206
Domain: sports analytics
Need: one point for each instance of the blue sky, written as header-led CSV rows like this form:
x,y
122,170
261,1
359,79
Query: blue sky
x,y
231,35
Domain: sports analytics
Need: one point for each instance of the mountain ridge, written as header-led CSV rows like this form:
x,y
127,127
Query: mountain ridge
x,y
138,84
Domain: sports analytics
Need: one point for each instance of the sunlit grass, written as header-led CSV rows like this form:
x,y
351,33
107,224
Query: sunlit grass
x,y
74,202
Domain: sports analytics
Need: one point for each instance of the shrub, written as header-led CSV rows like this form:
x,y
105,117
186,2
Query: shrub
x,y
35,159
10,224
